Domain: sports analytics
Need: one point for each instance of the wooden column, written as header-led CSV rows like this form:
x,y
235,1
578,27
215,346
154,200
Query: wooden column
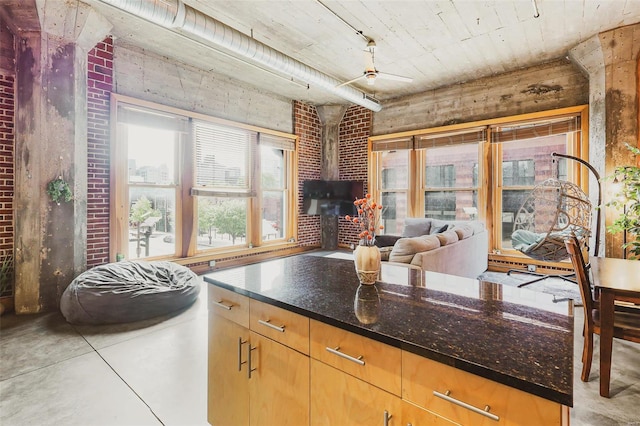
x,y
330,117
51,141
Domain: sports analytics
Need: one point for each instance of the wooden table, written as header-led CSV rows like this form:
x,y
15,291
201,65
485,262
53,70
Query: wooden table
x,y
614,279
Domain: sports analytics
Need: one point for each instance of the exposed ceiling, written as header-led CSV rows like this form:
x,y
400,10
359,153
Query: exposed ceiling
x,y
437,42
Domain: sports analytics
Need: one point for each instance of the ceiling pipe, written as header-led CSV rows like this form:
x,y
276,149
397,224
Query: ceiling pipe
x,y
174,14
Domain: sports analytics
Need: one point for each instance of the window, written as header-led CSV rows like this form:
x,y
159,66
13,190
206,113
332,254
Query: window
x,y
524,152
450,185
196,185
393,158
477,170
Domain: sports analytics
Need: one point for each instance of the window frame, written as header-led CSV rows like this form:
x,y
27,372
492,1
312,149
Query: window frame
x,y
489,167
186,220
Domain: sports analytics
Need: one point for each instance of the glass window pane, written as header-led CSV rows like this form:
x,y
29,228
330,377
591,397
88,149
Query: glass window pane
x,y
395,169
273,215
223,156
451,205
394,211
273,170
451,166
221,222
151,155
526,163
529,162
151,222
511,202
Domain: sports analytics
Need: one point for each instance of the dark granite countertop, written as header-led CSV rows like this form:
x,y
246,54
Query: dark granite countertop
x,y
518,337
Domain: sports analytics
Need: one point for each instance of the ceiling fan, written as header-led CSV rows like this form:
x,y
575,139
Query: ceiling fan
x,y
371,74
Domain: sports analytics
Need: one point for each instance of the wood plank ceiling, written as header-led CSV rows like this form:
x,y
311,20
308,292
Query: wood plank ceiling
x,y
437,42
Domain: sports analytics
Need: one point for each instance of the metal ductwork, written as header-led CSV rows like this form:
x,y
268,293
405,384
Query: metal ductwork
x,y
174,14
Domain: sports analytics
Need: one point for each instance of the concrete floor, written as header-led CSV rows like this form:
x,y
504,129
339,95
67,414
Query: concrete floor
x,y
154,373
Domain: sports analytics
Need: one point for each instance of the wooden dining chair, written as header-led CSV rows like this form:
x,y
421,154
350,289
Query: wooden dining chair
x,y
626,320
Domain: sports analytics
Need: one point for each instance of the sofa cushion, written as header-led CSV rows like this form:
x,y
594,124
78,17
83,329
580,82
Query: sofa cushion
x,y
386,240
416,226
405,248
463,231
385,252
438,224
447,237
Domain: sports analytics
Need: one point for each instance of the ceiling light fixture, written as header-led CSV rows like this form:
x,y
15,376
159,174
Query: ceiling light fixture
x,y
174,14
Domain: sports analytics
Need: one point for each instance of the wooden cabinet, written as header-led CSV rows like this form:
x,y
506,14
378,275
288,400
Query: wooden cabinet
x,y
228,386
270,366
412,415
279,385
252,379
468,399
278,324
365,358
338,398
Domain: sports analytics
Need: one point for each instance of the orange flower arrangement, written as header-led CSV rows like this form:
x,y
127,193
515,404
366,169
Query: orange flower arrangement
x,y
367,219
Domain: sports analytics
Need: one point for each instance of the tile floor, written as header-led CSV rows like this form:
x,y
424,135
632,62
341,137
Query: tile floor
x,y
154,373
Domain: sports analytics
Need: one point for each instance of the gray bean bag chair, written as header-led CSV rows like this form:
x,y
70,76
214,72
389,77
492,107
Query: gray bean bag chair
x,y
128,291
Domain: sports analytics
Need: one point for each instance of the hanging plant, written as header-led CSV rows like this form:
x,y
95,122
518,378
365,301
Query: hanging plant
x,y
59,190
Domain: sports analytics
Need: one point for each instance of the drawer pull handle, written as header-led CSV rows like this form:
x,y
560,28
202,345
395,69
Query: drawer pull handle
x,y
222,305
268,324
250,369
336,351
447,397
240,361
387,417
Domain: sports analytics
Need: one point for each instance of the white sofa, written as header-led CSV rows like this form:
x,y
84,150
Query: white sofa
x,y
451,247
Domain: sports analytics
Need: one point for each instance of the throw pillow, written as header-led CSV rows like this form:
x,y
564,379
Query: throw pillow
x,y
463,231
447,237
439,230
416,226
405,248
385,252
386,240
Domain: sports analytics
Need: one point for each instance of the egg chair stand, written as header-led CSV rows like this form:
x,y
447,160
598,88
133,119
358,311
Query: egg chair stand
x,y
554,211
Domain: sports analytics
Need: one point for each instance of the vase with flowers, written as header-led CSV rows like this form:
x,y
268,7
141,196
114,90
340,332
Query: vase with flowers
x,y
366,256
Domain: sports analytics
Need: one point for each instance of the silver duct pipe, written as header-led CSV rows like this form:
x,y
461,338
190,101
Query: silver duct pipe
x,y
175,14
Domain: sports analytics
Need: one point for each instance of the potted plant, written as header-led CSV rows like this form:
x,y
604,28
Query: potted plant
x,y
367,255
59,190
626,180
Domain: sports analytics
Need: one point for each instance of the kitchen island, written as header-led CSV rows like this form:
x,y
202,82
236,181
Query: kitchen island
x,y
299,334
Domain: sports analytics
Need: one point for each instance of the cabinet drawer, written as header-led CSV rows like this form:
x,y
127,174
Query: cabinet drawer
x,y
278,324
422,377
229,305
367,359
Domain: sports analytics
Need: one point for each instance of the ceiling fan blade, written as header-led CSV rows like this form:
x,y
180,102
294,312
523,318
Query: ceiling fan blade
x,y
350,81
386,76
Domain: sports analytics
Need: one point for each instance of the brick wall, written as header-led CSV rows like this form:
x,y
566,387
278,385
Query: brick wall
x,y
353,162
99,87
7,142
306,125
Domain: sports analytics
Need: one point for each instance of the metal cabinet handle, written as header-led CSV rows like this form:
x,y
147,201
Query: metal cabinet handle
x,y
387,417
249,368
336,351
446,396
222,305
240,361
268,324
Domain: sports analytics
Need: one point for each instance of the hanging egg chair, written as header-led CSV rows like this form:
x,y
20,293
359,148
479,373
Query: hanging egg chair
x,y
554,211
